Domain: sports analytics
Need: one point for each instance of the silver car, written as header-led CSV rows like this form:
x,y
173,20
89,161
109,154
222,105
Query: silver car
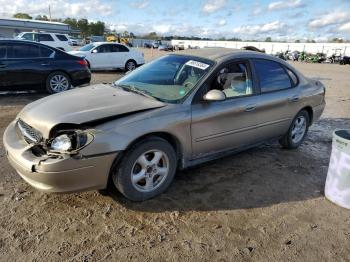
x,y
174,112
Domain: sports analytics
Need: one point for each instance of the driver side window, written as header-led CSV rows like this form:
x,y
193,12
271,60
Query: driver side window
x,y
234,80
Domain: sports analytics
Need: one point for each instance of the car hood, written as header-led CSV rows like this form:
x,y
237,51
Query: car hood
x,y
83,105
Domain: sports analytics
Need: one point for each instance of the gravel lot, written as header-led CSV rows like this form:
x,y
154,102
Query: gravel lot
x,y
266,204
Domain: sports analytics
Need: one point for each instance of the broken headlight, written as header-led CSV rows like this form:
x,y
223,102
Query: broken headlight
x,y
70,141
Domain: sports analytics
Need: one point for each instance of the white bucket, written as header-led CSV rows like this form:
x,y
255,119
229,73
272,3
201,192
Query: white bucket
x,y
337,187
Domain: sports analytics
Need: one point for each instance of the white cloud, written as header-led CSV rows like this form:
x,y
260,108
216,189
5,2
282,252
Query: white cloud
x,y
140,4
273,27
162,29
345,27
330,19
222,22
285,4
212,6
59,8
257,11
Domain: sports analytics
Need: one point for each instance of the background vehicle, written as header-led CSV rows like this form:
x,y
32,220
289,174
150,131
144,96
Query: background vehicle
x,y
97,38
180,46
156,43
105,55
120,40
165,47
59,41
29,65
345,60
177,111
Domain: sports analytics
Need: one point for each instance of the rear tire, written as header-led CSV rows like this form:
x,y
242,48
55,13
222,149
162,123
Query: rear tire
x,y
57,82
297,131
146,170
130,65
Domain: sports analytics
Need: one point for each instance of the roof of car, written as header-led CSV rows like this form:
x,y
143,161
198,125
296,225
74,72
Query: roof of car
x,y
219,54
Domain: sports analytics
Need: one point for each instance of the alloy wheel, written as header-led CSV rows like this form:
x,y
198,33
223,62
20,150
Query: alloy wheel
x,y
59,83
130,66
299,129
150,170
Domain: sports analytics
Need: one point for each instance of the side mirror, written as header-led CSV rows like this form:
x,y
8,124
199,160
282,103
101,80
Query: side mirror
x,y
94,51
214,95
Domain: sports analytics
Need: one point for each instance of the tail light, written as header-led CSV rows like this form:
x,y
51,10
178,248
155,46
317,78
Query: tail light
x,y
83,62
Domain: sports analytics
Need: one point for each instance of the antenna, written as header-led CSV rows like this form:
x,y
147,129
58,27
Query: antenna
x,y
50,12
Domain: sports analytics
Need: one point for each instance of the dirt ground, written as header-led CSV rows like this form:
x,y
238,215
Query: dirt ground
x,y
266,204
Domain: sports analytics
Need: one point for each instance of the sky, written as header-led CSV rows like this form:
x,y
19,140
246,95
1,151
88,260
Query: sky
x,y
283,20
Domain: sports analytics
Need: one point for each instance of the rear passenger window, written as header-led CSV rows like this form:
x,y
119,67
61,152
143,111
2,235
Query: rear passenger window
x,y
45,38
62,37
46,52
2,51
23,51
292,76
122,48
272,76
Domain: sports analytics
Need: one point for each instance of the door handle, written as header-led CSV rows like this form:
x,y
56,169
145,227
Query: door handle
x,y
294,99
44,64
3,66
250,108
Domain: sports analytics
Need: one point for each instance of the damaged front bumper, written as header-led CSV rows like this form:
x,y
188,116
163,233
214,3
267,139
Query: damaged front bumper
x,y
56,173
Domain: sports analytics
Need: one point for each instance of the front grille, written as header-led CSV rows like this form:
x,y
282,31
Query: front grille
x,y
30,135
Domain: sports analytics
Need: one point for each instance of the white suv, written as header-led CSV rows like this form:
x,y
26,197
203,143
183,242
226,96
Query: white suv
x,y
56,40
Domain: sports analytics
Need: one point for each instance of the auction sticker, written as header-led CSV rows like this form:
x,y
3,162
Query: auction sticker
x,y
197,64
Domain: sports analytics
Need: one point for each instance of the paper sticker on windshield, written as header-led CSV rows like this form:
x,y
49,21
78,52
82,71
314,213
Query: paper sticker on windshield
x,y
197,64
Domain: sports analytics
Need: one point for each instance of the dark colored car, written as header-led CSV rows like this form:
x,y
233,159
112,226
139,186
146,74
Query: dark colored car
x,y
27,65
345,60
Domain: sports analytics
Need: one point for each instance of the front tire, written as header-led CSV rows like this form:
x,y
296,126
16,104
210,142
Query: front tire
x,y
57,82
146,170
297,131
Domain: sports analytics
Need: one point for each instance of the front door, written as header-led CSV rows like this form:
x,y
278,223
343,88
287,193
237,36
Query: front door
x,y
22,65
222,125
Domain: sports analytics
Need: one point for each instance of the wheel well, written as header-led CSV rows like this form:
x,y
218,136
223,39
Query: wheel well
x,y
172,140
88,62
309,110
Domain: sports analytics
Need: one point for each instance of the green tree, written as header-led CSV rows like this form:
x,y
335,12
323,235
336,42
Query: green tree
x,y
97,28
297,41
83,26
42,18
22,16
268,39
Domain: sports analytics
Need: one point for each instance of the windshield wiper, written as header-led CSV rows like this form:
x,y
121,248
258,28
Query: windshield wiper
x,y
130,88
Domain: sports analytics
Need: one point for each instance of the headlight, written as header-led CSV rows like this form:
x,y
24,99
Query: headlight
x,y
61,143
70,141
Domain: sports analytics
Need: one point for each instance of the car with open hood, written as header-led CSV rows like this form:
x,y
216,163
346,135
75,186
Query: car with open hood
x,y
177,111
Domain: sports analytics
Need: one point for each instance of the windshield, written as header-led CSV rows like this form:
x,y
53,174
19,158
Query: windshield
x,y
87,47
169,78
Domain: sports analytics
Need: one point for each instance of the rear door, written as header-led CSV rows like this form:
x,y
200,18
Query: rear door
x,y
121,55
279,97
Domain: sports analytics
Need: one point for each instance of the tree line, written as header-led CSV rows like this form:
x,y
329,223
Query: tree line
x,y
85,27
